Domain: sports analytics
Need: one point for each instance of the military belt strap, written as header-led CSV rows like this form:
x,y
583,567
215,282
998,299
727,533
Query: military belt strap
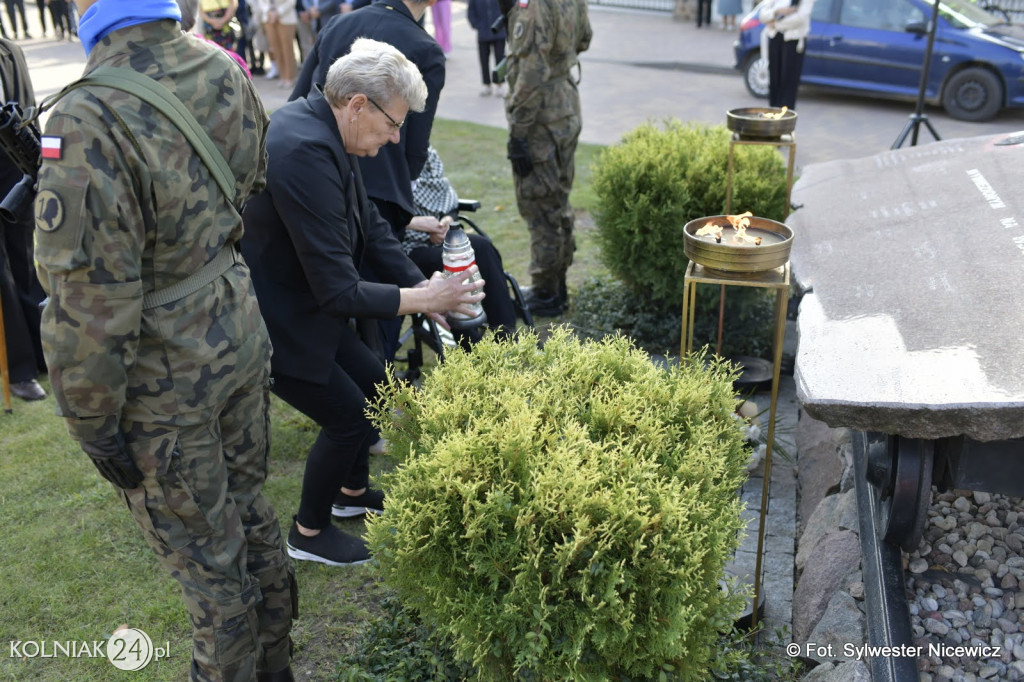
x,y
164,101
224,259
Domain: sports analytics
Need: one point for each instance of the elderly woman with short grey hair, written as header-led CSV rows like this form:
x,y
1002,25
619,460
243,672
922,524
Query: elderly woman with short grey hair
x,y
308,236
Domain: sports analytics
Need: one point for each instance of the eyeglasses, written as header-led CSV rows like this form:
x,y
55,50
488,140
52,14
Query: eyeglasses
x,y
397,125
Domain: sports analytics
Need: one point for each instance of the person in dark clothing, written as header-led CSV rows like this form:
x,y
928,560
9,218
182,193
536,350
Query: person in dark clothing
x,y
703,12
17,6
389,174
20,290
481,15
245,47
59,13
307,237
436,203
41,6
323,11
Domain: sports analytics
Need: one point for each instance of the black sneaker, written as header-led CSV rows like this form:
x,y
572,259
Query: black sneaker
x,y
543,303
330,546
347,506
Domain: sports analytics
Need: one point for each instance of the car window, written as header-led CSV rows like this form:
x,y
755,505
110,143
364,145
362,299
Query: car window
x,y
886,15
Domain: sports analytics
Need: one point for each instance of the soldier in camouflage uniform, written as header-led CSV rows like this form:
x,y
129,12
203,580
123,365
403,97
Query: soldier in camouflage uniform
x,y
543,112
169,401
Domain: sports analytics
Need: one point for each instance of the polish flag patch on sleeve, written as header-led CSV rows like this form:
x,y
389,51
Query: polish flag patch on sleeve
x,y
51,147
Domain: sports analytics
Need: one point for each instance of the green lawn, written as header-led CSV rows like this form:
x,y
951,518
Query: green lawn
x,y
73,565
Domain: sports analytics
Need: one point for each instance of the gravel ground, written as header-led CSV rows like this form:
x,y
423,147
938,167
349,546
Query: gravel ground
x,y
964,588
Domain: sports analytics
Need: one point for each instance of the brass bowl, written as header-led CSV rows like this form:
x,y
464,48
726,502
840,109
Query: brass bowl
x,y
749,122
731,257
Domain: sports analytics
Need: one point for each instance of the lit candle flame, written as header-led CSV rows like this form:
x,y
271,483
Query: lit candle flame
x,y
711,230
740,223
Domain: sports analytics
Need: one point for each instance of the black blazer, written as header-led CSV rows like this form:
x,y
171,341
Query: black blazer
x,y
306,237
389,175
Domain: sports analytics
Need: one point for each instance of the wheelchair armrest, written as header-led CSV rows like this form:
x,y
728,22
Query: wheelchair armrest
x,y
468,205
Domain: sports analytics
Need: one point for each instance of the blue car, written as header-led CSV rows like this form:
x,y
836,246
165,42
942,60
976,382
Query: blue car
x,y
878,47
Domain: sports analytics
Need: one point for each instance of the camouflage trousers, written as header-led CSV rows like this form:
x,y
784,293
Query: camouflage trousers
x,y
543,201
202,512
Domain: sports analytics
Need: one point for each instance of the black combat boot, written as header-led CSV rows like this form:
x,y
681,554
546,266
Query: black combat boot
x,y
280,676
543,303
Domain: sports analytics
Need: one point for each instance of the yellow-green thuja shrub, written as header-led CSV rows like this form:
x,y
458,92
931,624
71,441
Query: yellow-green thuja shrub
x,y
564,513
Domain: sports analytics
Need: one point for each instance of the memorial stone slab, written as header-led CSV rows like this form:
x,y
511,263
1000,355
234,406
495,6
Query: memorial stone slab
x,y
913,264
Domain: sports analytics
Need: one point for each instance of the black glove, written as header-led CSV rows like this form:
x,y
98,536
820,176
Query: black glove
x,y
110,455
519,155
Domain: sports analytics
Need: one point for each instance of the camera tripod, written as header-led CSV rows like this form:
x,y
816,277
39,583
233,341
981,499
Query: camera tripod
x,y
918,117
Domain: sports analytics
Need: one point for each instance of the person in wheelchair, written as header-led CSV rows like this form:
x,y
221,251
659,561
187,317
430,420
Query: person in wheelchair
x,y
437,206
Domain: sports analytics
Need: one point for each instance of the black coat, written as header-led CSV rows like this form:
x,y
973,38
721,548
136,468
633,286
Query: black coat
x,y
481,15
388,175
306,237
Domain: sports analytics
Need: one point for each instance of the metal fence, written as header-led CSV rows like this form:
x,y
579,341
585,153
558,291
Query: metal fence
x,y
670,5
655,5
1012,9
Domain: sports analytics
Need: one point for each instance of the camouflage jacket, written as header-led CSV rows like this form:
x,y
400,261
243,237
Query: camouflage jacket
x,y
545,37
125,207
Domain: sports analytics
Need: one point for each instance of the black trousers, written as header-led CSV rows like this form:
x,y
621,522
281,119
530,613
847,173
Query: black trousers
x,y
21,294
61,20
41,6
340,456
784,67
21,360
485,48
703,12
19,7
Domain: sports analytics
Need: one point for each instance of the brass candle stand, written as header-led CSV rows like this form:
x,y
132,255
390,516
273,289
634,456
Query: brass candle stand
x,y
788,140
777,279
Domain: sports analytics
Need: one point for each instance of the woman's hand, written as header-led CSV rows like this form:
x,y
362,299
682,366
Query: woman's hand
x,y
437,229
455,293
441,294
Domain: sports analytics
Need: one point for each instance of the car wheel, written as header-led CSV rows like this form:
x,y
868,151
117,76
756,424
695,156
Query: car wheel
x,y
974,94
755,75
